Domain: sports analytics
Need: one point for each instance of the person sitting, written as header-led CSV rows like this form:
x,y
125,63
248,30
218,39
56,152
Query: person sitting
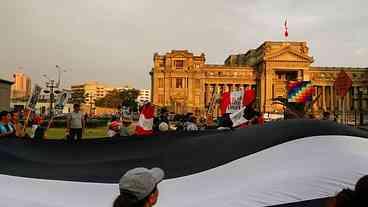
x,y
326,115
40,132
6,128
139,187
114,128
17,126
202,124
125,129
225,122
163,127
191,124
352,198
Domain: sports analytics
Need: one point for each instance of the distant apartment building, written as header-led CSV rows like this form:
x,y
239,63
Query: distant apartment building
x,y
144,95
94,90
22,86
5,94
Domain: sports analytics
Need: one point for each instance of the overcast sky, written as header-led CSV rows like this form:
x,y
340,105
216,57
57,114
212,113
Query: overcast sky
x,y
113,41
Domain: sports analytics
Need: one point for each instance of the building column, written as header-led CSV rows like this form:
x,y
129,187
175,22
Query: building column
x,y
364,101
324,98
355,96
332,98
315,104
347,101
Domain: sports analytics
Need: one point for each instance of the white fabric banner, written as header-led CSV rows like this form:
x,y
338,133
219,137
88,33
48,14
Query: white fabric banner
x,y
146,124
32,101
238,117
236,101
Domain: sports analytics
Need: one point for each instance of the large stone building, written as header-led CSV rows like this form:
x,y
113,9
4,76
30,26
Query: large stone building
x,y
183,82
21,89
5,86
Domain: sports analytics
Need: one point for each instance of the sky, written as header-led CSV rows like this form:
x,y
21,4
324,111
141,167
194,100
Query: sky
x,y
114,41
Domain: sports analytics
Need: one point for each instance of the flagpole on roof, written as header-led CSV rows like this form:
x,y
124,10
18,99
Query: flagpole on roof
x,y
286,32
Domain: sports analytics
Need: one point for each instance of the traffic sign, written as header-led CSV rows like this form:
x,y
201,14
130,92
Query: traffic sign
x,y
342,83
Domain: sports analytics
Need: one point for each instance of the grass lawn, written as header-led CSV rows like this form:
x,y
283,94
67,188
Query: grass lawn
x,y
59,133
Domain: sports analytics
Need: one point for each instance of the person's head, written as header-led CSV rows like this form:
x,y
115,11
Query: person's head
x,y
114,118
163,127
4,117
76,107
352,198
138,187
14,115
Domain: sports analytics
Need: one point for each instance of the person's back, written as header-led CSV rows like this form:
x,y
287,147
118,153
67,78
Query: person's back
x,y
352,198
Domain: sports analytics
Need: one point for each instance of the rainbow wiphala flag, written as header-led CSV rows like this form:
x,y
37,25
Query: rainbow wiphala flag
x,y
300,91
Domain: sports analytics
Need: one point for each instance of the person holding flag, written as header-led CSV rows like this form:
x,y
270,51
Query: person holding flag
x,y
145,123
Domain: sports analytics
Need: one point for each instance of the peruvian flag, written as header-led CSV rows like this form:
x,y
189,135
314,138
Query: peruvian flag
x,y
232,102
145,122
286,33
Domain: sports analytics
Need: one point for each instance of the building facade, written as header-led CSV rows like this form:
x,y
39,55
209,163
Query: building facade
x,y
21,89
183,82
5,93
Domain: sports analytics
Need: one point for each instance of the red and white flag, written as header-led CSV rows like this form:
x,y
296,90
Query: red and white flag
x,y
145,122
232,102
286,33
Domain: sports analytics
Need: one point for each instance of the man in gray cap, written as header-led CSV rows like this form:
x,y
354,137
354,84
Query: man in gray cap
x,y
138,187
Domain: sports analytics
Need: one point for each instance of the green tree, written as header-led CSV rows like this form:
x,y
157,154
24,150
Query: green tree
x,y
129,98
116,98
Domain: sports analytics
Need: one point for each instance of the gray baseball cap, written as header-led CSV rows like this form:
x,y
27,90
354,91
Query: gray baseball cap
x,y
140,182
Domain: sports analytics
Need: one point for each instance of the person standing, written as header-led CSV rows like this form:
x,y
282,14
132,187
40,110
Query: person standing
x,y
75,123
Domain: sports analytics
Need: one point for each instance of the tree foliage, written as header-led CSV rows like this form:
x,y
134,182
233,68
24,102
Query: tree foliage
x,y
116,98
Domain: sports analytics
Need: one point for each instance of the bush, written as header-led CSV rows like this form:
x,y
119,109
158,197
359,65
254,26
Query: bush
x,y
92,123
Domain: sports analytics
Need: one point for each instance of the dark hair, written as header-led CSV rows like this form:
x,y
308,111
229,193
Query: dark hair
x,y
345,198
354,198
4,113
13,112
361,190
76,105
126,199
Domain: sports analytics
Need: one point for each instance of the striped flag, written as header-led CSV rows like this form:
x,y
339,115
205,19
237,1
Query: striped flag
x,y
300,91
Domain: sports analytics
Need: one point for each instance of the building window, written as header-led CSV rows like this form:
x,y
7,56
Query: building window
x,y
161,64
179,83
160,83
160,99
197,83
179,64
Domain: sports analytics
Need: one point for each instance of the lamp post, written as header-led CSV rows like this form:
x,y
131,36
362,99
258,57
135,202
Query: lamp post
x,y
361,96
91,101
52,86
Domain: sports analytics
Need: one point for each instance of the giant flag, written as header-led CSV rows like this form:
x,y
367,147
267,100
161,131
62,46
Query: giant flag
x,y
256,166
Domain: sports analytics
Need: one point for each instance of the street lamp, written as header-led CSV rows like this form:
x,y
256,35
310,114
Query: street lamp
x,y
52,91
91,101
361,96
